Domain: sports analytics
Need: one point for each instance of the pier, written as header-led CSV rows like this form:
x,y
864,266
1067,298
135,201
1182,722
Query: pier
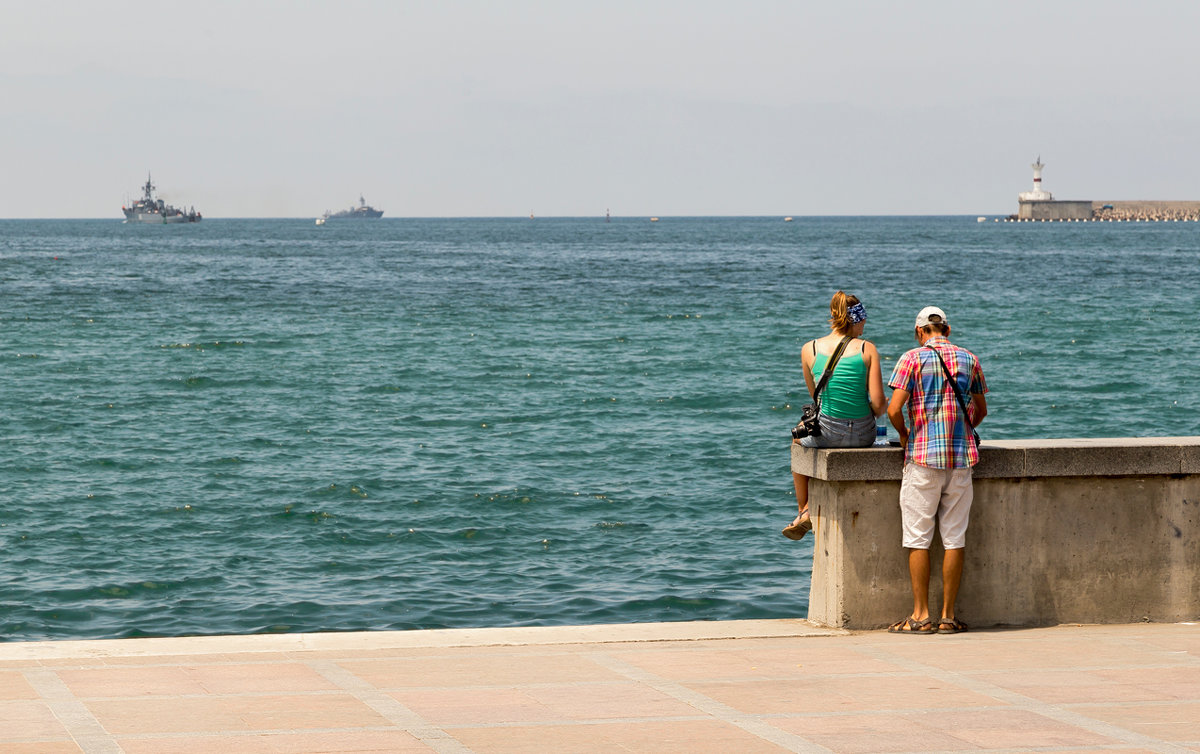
x,y
737,686
1082,588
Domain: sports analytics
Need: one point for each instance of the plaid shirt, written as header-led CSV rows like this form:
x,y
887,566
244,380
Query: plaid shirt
x,y
937,438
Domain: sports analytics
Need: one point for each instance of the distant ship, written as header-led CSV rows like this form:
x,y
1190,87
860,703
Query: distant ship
x,y
155,211
363,211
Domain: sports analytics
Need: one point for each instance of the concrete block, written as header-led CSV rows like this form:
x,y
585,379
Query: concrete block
x,y
863,464
859,568
838,464
1089,531
1039,552
1000,459
807,461
884,464
1102,457
1017,458
1189,459
1189,453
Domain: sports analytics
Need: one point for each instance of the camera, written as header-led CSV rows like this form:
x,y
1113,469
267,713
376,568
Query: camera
x,y
809,424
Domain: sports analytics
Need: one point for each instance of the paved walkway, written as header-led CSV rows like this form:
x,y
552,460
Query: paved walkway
x,y
743,686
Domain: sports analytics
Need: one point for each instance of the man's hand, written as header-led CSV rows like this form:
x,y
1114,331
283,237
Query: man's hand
x,y
895,412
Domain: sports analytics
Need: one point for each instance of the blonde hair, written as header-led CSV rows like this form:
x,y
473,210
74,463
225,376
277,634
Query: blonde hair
x,y
839,316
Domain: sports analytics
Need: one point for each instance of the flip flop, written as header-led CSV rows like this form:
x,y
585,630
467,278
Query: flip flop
x,y
952,626
910,626
798,530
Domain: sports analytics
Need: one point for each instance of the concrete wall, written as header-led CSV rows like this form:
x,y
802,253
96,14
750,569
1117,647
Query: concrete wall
x,y
1055,210
1062,531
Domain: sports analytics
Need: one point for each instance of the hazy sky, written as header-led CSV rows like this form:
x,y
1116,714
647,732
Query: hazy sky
x,y
459,108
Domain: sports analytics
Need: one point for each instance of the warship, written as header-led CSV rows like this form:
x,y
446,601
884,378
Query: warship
x,y
156,211
363,211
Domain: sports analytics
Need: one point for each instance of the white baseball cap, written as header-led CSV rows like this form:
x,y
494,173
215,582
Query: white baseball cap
x,y
929,311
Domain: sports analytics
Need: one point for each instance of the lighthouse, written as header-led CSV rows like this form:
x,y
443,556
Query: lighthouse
x,y
1037,195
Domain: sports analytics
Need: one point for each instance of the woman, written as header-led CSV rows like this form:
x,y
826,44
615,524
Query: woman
x,y
852,396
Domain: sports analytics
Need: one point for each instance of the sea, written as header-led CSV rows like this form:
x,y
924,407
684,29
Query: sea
x,y
258,426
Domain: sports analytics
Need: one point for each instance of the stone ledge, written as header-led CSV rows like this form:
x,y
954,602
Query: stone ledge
x,y
366,641
1117,456
1190,459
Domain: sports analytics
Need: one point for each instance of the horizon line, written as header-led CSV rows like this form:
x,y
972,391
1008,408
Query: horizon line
x,y
534,218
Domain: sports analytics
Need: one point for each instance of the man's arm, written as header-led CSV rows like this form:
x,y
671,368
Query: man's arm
x,y
895,412
978,408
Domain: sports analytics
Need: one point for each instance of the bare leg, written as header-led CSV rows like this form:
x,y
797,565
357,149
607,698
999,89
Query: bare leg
x,y
952,568
918,571
801,483
800,525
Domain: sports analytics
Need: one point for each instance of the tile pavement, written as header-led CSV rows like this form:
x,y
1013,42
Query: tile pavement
x,y
739,686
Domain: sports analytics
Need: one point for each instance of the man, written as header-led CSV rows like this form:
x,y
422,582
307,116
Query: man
x,y
939,451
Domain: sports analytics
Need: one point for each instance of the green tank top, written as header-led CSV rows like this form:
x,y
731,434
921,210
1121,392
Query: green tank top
x,y
845,395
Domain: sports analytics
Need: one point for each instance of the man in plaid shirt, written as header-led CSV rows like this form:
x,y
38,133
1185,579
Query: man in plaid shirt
x,y
939,451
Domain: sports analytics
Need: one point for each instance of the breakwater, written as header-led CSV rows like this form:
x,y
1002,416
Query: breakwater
x,y
1106,211
1132,211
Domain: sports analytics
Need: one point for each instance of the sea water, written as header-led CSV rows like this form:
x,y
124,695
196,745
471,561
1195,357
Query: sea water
x,y
248,426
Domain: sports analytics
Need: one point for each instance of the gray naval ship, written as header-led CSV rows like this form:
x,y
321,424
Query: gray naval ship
x,y
363,211
156,211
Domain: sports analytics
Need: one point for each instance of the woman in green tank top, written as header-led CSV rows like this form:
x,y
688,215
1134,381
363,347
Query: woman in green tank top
x,y
852,396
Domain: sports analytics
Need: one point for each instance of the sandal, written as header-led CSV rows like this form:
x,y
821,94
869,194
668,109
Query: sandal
x,y
910,626
952,626
797,529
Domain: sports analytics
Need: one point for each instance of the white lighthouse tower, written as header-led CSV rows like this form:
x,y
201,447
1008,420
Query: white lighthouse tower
x,y
1037,195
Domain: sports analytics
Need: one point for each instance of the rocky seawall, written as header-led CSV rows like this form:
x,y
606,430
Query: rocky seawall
x,y
1128,211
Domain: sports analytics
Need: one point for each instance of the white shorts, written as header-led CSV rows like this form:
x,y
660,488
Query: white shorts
x,y
945,493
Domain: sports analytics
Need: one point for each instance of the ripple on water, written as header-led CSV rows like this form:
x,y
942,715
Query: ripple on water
x,y
422,424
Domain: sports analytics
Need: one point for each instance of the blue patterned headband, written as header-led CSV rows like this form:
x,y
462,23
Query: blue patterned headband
x,y
856,314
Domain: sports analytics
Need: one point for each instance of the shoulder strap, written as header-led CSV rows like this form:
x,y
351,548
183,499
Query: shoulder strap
x,y
962,402
833,360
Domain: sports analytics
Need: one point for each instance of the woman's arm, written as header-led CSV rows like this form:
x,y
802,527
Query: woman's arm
x,y
806,358
874,379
